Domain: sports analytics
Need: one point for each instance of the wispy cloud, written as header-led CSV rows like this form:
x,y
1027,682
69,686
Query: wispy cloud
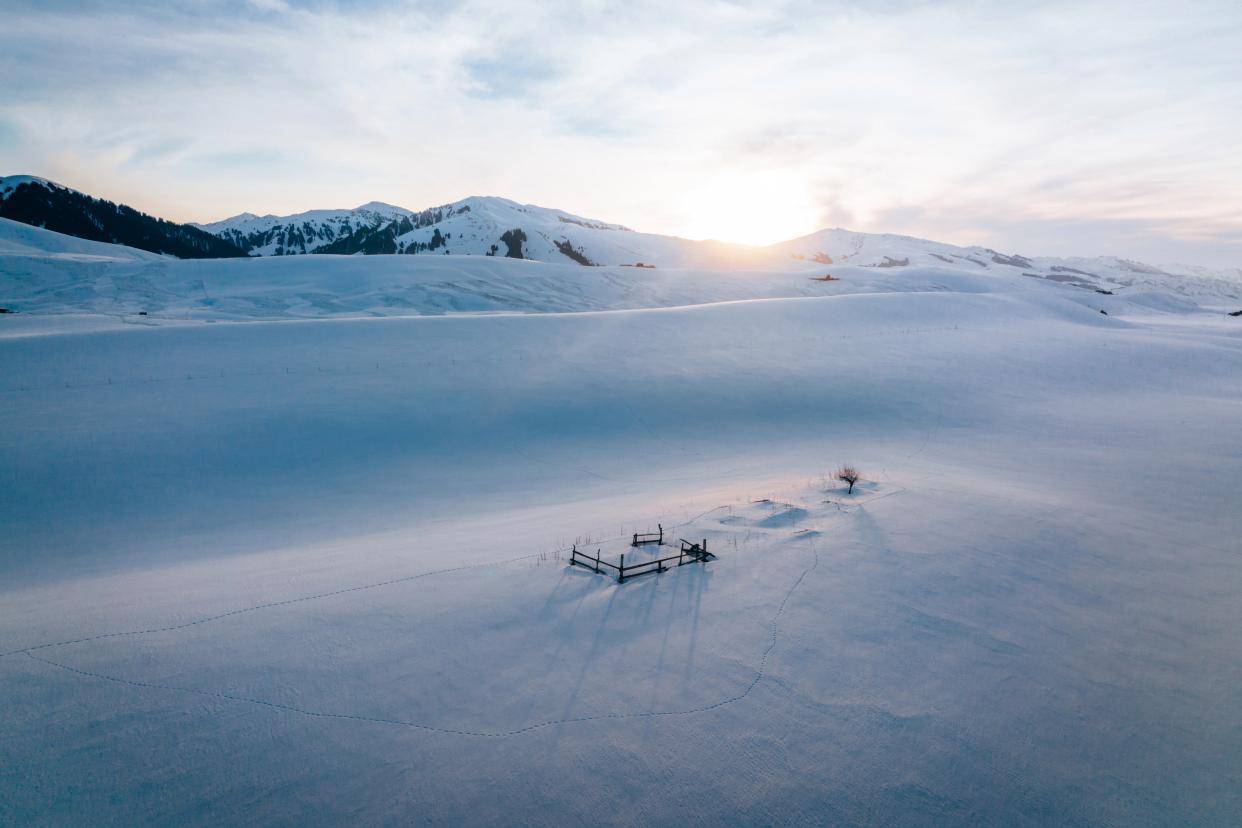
x,y
1088,127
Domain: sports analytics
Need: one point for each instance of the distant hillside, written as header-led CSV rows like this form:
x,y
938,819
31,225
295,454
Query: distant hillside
x,y
42,203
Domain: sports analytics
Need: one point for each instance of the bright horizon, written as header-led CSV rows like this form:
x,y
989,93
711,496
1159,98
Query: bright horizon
x,y
1040,128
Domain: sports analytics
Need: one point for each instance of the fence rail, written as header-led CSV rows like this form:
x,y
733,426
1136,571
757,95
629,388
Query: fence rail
x,y
657,538
689,553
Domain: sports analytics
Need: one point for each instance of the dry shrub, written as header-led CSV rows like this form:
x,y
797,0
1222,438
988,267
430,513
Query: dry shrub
x,y
848,474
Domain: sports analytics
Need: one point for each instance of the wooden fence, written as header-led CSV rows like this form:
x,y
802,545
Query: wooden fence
x,y
649,537
689,553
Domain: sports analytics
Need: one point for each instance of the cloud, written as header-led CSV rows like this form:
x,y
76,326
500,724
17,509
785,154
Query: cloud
x,y
515,73
977,121
279,6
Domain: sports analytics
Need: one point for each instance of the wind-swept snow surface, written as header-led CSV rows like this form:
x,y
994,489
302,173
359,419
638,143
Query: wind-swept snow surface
x,y
313,570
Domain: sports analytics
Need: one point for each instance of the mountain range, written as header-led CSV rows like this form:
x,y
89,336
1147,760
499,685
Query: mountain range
x,y
492,226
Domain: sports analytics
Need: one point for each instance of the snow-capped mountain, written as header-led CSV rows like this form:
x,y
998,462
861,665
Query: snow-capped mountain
x,y
475,226
42,203
10,183
310,231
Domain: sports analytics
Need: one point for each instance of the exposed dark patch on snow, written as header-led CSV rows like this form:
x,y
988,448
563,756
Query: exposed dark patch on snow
x,y
1011,261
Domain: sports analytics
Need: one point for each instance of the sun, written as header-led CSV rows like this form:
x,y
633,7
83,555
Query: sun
x,y
749,208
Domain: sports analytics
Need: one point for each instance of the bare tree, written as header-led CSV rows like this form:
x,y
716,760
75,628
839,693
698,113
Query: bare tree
x,y
848,474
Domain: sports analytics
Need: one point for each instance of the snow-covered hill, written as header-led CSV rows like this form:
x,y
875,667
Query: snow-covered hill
x,y
836,248
20,241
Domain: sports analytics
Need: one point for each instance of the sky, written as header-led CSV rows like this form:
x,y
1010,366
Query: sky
x,y
1043,128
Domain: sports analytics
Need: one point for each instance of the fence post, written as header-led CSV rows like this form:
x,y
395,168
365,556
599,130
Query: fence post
x,y
621,571
661,527
596,561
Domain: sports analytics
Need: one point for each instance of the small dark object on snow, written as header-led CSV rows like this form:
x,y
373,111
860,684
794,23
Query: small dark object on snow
x,y
1012,261
142,313
889,261
1104,312
567,248
827,277
1103,291
1235,313
6,310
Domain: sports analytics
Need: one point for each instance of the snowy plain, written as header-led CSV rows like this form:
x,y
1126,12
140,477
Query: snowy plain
x,y
259,567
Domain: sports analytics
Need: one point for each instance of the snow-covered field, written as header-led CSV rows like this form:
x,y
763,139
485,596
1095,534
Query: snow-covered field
x,y
263,568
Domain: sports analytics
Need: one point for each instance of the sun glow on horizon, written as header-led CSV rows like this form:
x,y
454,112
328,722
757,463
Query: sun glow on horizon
x,y
749,208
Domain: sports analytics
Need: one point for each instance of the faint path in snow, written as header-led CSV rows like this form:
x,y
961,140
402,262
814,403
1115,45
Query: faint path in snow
x,y
269,605
930,431
760,672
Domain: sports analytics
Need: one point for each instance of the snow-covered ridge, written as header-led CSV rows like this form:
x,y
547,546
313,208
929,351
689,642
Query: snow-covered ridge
x,y
838,248
9,183
306,232
249,222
